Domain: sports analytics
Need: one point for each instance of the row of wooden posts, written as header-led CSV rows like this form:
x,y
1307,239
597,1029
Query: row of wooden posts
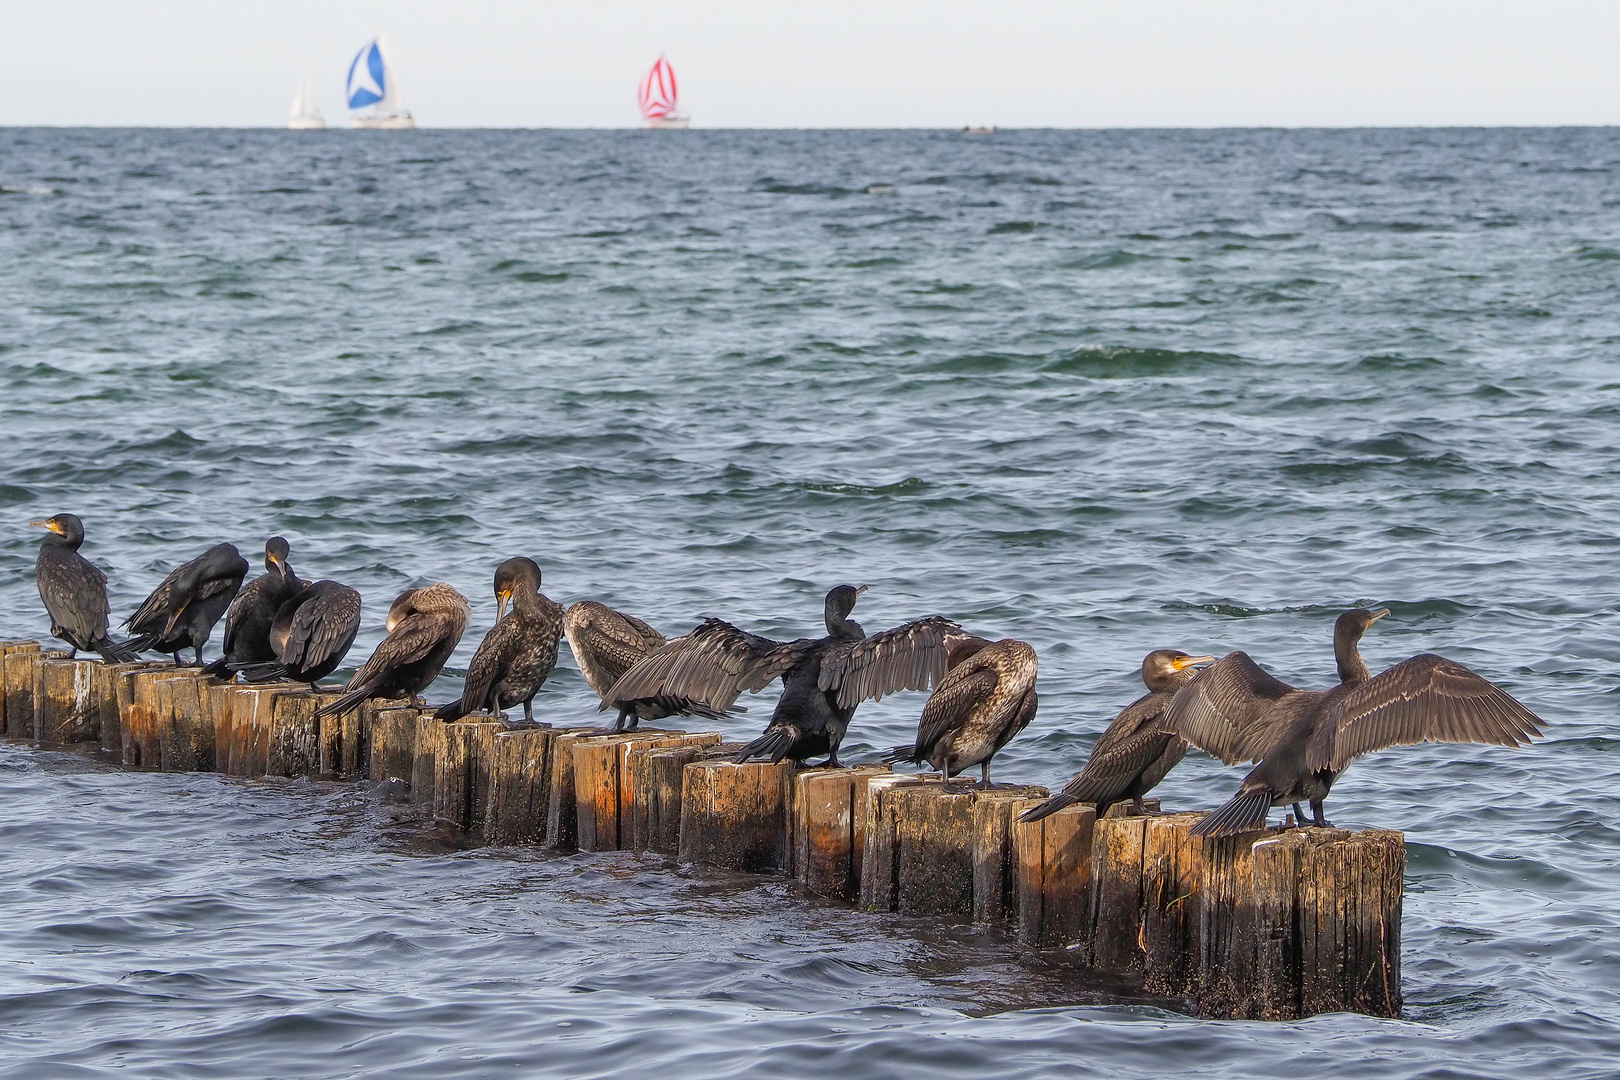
x,y
1270,925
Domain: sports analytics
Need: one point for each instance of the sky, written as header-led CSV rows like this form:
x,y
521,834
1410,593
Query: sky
x,y
1014,63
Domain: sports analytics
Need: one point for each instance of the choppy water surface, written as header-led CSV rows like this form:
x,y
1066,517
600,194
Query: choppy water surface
x,y
1105,392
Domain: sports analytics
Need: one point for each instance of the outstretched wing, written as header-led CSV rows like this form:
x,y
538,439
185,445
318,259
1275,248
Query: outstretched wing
x,y
713,664
1222,710
909,657
1425,699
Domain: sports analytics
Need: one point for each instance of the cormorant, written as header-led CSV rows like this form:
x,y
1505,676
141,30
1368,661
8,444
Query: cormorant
x,y
247,623
424,628
1136,751
311,634
184,607
986,697
518,653
608,643
74,591
823,679
1303,739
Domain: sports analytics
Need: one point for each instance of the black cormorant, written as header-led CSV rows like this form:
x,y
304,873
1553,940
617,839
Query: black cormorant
x,y
1136,751
823,679
424,628
184,607
247,623
311,634
1303,739
986,697
74,591
606,644
517,655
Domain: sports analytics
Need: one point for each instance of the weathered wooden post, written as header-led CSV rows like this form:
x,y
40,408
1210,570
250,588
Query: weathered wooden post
x,y
17,671
295,736
829,828
143,722
1054,876
736,815
393,744
1227,926
995,852
659,778
1116,893
1171,873
427,744
185,729
343,741
519,785
65,709
634,792
604,783
461,773
880,863
562,815
251,724
1348,915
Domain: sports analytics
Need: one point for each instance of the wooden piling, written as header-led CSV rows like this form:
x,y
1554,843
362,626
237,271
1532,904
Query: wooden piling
x,y
1116,894
184,723
829,828
736,815
1226,948
110,690
1054,876
249,725
425,748
461,773
519,785
1171,873
393,744
995,852
295,734
605,793
65,708
17,672
144,721
344,743
1348,919
657,777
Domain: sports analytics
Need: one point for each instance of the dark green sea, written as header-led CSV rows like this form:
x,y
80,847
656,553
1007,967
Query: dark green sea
x,y
1105,392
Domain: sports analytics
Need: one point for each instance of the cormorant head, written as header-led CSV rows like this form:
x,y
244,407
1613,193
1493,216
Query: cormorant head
x,y
1164,668
1352,624
962,648
275,556
512,575
403,606
68,528
841,601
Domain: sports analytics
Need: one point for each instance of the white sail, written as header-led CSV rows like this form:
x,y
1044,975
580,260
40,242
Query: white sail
x,y
372,85
305,115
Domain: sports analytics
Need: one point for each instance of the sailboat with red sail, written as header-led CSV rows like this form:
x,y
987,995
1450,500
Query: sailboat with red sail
x,y
658,98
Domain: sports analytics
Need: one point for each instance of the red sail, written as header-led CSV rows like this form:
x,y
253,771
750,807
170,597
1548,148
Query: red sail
x,y
658,91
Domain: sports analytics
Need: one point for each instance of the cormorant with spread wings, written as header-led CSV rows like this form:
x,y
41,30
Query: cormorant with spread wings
x,y
1137,750
823,679
986,697
1303,739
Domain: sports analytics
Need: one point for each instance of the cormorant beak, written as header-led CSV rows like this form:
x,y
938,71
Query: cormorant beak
x,y
501,600
1379,614
51,525
1190,661
174,620
861,588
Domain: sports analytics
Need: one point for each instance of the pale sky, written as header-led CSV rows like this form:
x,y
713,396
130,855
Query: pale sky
x,y
1147,63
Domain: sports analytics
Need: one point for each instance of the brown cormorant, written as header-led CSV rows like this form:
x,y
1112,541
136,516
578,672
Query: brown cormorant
x,y
986,697
1303,739
247,623
517,655
311,634
1136,751
74,591
823,679
184,607
606,644
424,628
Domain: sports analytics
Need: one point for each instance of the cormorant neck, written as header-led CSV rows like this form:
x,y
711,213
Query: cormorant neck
x,y
1352,668
58,540
844,627
526,596
1161,680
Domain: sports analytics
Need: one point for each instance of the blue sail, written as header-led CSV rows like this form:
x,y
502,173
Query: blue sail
x,y
367,84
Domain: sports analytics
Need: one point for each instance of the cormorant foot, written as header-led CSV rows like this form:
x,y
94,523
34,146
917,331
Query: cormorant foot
x,y
508,724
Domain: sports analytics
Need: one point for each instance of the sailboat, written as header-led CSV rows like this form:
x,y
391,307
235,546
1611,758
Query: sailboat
x,y
372,83
658,98
305,116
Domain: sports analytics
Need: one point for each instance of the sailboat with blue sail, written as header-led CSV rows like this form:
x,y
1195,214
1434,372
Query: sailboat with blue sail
x,y
373,87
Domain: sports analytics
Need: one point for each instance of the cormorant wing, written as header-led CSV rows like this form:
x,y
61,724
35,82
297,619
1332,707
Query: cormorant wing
x,y
1133,741
1425,699
322,627
154,610
959,693
606,643
713,664
912,656
74,591
489,663
1222,709
413,638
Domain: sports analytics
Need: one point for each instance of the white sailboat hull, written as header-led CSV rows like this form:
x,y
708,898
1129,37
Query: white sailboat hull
x,y
307,123
394,122
667,123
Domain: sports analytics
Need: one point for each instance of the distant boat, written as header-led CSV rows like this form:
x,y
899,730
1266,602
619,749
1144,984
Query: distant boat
x,y
305,116
987,129
658,98
372,84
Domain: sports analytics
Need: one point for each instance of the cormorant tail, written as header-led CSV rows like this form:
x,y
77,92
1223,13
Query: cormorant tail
x,y
262,671
217,667
138,644
345,703
115,652
1244,812
775,743
450,712
896,754
1049,807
